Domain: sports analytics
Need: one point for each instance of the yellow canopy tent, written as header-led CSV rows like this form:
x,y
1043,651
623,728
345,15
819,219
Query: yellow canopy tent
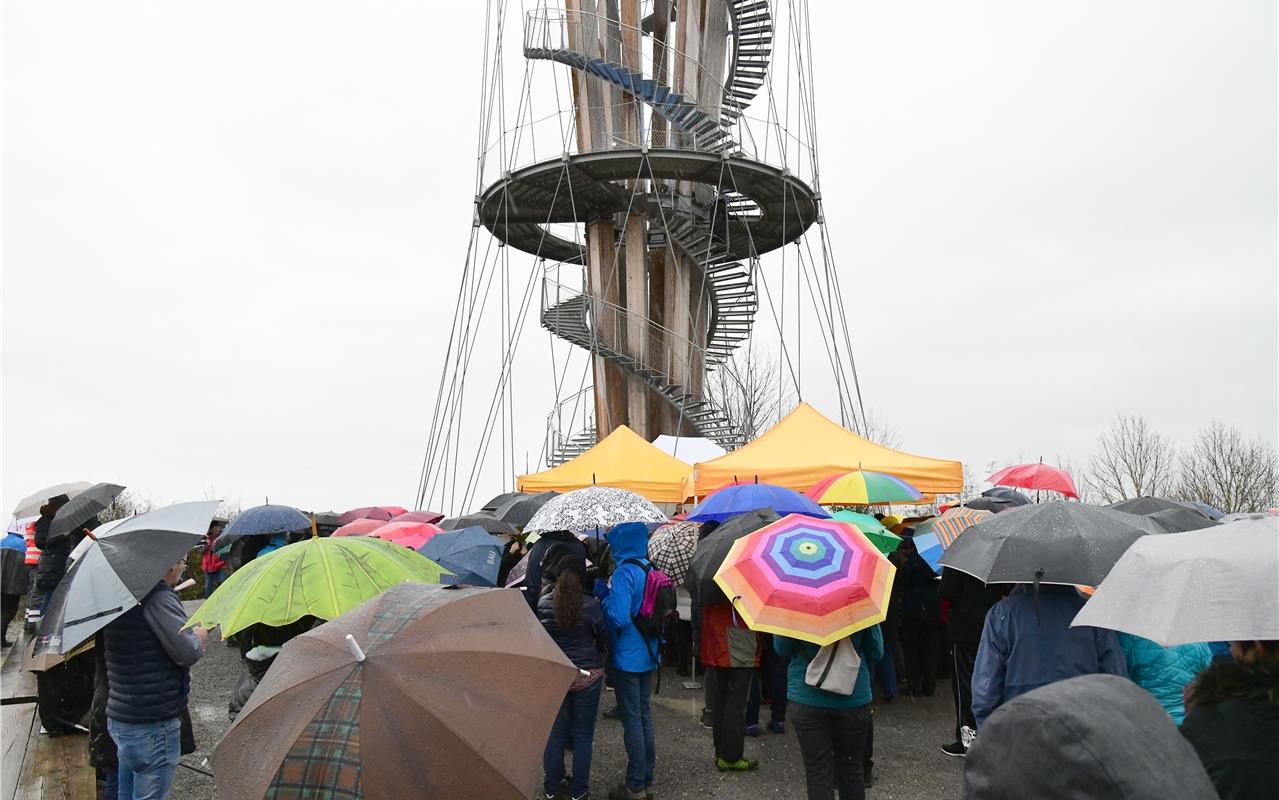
x,y
806,447
623,460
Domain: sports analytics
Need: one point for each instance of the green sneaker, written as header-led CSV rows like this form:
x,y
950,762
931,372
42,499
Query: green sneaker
x,y
741,765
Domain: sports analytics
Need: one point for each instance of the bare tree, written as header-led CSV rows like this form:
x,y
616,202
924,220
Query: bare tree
x,y
1225,470
878,429
126,504
748,391
1133,460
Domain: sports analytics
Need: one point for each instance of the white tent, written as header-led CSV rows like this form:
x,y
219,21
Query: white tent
x,y
689,449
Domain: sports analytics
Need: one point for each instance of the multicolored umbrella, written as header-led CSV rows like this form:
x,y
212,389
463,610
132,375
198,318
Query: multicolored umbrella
x,y
360,527
884,540
671,547
739,498
1036,476
813,579
862,488
957,520
593,509
410,534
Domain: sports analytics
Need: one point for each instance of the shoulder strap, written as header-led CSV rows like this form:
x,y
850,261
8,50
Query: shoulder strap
x,y
639,562
830,661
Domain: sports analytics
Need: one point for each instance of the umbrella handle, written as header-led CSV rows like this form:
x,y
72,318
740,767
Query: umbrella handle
x,y
355,648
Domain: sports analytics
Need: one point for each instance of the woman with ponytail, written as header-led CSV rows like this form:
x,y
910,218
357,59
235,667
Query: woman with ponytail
x,y
575,621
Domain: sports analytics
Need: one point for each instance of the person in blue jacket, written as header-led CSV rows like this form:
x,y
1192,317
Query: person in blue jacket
x,y
1027,642
1165,671
831,728
633,656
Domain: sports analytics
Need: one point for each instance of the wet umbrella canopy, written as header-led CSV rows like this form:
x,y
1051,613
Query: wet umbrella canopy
x,y
671,548
593,510
519,510
265,520
30,506
712,551
488,522
740,498
82,508
473,555
420,693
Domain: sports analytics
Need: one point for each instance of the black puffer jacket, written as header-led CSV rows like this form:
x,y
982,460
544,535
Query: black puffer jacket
x,y
53,556
586,644
1232,720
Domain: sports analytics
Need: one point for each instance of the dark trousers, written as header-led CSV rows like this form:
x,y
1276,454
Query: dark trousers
x,y
920,641
8,610
727,689
963,657
576,723
831,741
772,676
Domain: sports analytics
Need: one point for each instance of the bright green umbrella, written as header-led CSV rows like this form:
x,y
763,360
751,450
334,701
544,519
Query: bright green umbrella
x,y
884,540
322,578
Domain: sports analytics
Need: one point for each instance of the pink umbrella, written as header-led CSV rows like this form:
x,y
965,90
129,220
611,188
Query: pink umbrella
x,y
366,512
430,517
394,511
1036,476
360,527
410,534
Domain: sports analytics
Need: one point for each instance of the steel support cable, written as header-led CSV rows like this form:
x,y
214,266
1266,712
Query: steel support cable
x,y
826,341
824,304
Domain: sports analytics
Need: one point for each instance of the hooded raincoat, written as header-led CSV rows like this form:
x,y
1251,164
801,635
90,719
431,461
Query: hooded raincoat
x,y
1164,671
632,651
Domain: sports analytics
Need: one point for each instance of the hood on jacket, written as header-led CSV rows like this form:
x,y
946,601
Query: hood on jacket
x,y
1091,736
628,540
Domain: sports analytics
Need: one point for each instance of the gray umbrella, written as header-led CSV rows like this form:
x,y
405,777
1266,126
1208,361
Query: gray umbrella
x,y
992,504
519,510
1202,586
488,522
1152,505
1062,542
712,550
501,500
1170,516
82,508
1008,494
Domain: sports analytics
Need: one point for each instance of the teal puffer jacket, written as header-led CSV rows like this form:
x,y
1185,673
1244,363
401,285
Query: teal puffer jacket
x,y
1164,671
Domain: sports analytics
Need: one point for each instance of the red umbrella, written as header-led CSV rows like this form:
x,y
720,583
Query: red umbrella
x,y
430,517
410,534
360,527
1036,476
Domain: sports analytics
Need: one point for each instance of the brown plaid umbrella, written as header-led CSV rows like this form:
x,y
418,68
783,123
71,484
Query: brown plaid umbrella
x,y
410,695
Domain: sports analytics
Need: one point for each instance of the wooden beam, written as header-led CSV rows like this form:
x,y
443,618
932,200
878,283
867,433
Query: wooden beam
x,y
16,722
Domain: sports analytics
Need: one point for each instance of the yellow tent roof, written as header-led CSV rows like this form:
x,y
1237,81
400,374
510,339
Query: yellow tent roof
x,y
806,447
623,460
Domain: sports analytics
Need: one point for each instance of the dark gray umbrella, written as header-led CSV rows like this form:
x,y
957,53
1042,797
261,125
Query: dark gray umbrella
x,y
1171,516
1009,494
992,504
519,510
1152,505
488,522
1062,542
712,551
82,508
501,500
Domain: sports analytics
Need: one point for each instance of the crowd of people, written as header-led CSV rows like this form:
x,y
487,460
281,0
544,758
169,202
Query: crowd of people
x,y
1034,698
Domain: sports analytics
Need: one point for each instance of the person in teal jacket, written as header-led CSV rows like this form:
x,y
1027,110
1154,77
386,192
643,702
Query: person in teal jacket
x,y
1164,671
831,728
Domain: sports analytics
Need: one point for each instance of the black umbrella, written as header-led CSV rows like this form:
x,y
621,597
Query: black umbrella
x,y
1061,542
992,504
1153,505
488,522
82,508
1009,494
118,568
501,500
712,551
1181,520
519,510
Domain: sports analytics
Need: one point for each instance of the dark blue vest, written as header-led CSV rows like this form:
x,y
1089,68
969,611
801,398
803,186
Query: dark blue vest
x,y
144,683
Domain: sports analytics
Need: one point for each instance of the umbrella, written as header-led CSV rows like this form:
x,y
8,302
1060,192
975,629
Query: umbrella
x,y
884,540
712,550
473,555
1061,542
518,572
1036,476
314,577
1201,586
594,508
429,517
116,570
83,508
501,500
1210,511
943,531
360,527
369,512
1004,493
671,547
267,520
410,534
421,692
30,506
1180,520
1151,505
813,579
992,504
327,521
519,510
488,522
742,497
861,488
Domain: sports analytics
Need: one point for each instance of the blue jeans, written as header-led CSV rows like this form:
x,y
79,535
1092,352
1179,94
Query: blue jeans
x,y
148,755
212,580
576,720
633,690
111,782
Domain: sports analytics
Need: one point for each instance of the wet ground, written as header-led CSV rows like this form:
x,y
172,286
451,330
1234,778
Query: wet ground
x,y
908,734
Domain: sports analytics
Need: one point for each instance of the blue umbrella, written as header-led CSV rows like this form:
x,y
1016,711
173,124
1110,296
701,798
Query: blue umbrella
x,y
472,554
265,520
733,500
930,549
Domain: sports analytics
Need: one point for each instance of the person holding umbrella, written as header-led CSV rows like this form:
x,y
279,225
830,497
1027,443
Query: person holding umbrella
x,y
211,564
43,570
14,579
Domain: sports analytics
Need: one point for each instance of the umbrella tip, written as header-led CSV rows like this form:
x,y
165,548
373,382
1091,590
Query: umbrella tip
x,y
355,647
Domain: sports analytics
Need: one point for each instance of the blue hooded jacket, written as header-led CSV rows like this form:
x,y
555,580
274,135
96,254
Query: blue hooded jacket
x,y
1024,647
632,651
1164,671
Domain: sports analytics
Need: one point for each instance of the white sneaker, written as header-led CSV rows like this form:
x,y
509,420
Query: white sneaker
x,y
966,736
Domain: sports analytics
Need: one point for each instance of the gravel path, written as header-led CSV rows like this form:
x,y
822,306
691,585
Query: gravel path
x,y
908,733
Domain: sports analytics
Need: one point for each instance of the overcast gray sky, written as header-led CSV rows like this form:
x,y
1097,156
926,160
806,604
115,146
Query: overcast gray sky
x,y
233,231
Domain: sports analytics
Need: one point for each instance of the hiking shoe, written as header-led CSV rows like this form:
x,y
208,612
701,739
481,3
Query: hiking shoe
x,y
624,792
955,749
740,765
586,795
777,726
753,730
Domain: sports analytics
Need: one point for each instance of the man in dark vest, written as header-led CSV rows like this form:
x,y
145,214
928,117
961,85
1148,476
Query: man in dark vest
x,y
148,658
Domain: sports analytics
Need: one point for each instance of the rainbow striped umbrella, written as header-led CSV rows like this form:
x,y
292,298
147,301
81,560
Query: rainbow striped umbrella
x,y
813,579
955,521
884,540
861,488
